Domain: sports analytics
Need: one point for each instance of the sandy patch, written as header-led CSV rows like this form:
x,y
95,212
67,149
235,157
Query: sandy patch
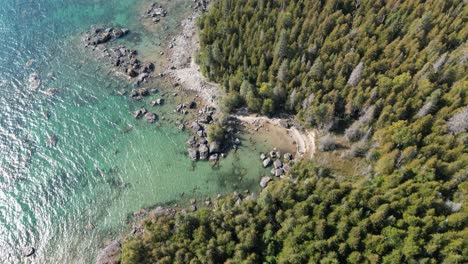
x,y
181,56
294,140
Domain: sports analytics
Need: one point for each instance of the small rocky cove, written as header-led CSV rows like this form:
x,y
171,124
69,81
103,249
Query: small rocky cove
x,y
194,116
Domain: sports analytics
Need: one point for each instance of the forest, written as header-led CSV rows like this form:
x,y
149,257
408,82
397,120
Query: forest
x,y
314,220
390,77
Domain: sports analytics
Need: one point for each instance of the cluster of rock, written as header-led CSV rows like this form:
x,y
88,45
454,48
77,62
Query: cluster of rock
x,y
148,116
121,57
201,4
198,146
181,108
155,12
139,94
101,35
126,60
280,167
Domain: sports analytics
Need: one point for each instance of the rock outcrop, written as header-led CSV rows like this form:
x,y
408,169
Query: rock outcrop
x,y
110,254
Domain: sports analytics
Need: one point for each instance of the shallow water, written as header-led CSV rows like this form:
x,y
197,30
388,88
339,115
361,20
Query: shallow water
x,y
68,200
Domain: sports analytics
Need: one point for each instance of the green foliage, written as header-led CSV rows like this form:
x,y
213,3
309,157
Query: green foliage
x,y
394,74
216,132
316,220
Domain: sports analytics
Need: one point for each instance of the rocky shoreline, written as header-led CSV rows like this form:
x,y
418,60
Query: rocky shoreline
x,y
121,58
182,72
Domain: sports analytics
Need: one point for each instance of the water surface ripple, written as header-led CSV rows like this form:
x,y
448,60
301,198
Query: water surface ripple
x,y
68,199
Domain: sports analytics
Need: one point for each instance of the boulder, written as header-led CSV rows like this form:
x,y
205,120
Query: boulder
x,y
143,92
215,147
158,101
214,157
34,81
279,172
192,141
288,156
203,141
284,123
286,168
273,154
264,181
110,254
139,113
266,162
263,156
277,164
201,133
141,77
131,72
193,154
51,91
150,117
28,251
204,152
205,119
196,127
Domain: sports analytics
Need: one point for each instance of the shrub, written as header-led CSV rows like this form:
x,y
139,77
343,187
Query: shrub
x,y
327,143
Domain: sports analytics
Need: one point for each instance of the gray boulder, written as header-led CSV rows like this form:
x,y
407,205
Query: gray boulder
x,y
150,117
277,164
264,181
215,147
28,251
193,154
266,162
288,156
139,113
158,101
110,254
204,152
279,172
263,156
214,158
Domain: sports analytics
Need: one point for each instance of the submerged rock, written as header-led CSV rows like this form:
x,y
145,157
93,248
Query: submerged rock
x,y
100,35
34,82
139,113
51,140
193,154
51,91
28,251
151,117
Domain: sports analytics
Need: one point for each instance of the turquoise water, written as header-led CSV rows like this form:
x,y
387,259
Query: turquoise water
x,y
69,200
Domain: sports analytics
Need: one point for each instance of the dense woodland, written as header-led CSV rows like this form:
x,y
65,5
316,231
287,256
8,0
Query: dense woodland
x,y
316,220
389,76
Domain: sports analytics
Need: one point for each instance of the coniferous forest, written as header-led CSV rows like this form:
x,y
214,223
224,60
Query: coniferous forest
x,y
390,77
